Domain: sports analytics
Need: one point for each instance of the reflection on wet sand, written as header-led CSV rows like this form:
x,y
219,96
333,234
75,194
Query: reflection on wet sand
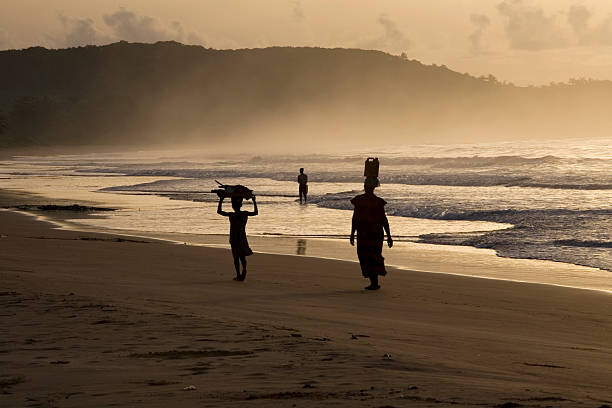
x,y
301,247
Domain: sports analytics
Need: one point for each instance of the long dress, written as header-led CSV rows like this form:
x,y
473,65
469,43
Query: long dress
x,y
237,236
369,217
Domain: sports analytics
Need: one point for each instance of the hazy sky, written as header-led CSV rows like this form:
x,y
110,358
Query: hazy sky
x,y
523,41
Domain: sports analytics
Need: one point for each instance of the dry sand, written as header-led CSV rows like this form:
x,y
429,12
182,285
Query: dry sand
x,y
98,320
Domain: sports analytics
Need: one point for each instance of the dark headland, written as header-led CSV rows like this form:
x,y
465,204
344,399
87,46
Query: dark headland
x,y
131,93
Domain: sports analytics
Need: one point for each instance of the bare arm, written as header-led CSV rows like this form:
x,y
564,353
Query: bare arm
x,y
353,228
219,208
388,231
256,211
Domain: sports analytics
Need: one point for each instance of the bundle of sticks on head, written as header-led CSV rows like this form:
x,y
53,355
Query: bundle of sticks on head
x,y
233,191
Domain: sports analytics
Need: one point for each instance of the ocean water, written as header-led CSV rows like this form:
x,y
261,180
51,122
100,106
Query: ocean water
x,y
548,201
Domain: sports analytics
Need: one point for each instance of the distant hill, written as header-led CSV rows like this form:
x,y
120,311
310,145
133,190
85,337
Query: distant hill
x,y
130,94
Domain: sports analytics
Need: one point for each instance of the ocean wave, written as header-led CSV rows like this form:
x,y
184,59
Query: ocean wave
x,y
443,212
474,161
567,186
578,236
458,179
436,161
585,244
570,222
556,198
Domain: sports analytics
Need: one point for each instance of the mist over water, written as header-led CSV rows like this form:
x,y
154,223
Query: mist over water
x,y
557,196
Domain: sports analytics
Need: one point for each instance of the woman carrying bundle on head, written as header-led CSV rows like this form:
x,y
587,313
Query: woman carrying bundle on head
x,y
238,220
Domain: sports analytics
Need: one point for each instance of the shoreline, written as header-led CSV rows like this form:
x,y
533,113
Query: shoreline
x,y
299,330
558,237
339,250
405,255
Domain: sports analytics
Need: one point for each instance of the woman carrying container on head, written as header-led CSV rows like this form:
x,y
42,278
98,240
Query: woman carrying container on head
x,y
370,222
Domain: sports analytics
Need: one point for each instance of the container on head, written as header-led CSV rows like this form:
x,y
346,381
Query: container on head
x,y
371,167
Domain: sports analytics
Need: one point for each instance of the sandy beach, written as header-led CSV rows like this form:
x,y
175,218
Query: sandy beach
x,y
425,189
101,320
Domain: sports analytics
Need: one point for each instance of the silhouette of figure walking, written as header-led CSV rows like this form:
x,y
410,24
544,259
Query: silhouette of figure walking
x,y
369,220
302,180
237,237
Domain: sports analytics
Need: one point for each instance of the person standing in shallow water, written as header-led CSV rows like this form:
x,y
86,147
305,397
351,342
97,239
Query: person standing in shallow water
x,y
237,237
302,180
370,222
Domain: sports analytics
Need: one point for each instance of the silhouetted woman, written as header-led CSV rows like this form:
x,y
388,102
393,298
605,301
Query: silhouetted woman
x,y
237,237
370,222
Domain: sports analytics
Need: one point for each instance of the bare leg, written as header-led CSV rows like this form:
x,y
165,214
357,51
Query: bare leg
x,y
244,271
237,266
373,282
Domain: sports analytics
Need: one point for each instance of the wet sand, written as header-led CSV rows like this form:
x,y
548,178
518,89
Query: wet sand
x,y
446,259
93,319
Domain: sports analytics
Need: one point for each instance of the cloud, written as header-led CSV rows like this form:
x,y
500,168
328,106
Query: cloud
x,y
128,26
481,23
579,18
81,32
528,28
194,39
392,39
602,35
178,29
298,11
120,25
5,43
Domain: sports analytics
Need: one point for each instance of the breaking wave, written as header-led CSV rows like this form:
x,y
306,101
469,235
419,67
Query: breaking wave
x,y
510,171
